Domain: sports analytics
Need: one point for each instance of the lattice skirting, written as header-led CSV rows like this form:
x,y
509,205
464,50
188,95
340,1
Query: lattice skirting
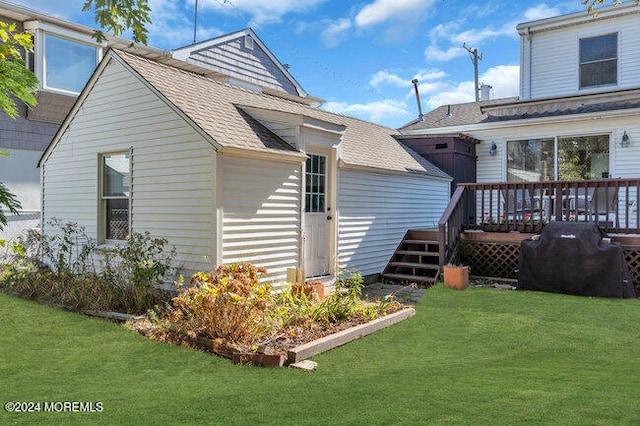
x,y
500,260
487,259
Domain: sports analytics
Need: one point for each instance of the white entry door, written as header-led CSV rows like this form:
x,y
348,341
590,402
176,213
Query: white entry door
x,y
317,217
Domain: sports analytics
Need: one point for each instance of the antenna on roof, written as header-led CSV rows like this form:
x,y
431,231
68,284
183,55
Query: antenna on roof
x,y
474,58
195,22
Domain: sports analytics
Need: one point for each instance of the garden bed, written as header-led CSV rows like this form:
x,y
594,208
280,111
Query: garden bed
x,y
291,346
230,313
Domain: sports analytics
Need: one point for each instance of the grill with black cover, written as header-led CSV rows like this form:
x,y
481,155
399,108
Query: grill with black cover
x,y
572,258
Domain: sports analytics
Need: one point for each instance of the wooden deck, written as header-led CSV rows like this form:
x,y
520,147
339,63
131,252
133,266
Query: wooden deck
x,y
484,224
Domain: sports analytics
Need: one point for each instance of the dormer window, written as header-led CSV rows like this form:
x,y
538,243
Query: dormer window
x,y
64,60
599,61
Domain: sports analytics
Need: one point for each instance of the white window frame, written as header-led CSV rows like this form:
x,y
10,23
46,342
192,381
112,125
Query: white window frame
x,y
617,59
40,30
102,199
556,150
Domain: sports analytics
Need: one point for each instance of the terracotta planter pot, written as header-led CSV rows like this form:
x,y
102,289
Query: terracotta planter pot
x,y
456,277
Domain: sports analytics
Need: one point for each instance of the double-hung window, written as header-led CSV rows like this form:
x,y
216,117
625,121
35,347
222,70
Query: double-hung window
x,y
115,194
599,61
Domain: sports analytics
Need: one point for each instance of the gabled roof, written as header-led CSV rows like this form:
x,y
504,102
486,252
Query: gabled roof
x,y
183,53
220,111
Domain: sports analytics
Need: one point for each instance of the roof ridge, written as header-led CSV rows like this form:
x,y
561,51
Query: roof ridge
x,y
365,144
257,93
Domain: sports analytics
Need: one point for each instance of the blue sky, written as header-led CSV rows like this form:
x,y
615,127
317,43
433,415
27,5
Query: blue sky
x,y
360,56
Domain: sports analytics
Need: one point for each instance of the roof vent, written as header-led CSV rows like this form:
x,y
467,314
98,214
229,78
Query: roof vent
x,y
448,114
248,42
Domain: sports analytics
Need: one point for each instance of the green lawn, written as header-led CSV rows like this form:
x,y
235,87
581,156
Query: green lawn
x,y
479,356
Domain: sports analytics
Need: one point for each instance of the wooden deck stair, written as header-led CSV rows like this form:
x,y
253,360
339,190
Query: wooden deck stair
x,y
416,259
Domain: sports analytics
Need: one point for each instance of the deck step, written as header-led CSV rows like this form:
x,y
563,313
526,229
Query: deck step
x,y
416,259
414,265
418,252
405,277
420,242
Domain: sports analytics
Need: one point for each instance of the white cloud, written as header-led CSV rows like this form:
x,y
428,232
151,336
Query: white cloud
x,y
434,53
334,32
444,31
429,88
541,11
376,111
504,80
477,36
172,25
426,80
429,75
461,93
383,10
263,11
388,79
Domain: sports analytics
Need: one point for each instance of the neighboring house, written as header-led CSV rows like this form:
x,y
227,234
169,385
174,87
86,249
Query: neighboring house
x,y
244,60
576,122
580,81
229,173
65,55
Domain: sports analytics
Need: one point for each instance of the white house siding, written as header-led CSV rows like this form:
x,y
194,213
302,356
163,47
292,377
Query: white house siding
x,y
261,214
234,59
623,162
555,56
172,167
376,210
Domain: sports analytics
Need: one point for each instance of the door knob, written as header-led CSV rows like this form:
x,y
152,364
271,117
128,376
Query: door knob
x,y
329,217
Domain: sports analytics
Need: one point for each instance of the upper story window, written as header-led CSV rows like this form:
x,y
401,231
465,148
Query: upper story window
x,y
63,60
67,64
599,61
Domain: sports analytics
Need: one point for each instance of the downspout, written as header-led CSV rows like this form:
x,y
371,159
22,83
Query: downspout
x,y
42,199
527,43
300,145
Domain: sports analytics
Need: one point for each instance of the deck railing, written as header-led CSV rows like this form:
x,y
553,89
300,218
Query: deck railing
x,y
528,206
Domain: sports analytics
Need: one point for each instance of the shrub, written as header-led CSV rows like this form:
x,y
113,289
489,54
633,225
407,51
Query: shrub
x,y
236,311
69,250
229,304
60,269
136,270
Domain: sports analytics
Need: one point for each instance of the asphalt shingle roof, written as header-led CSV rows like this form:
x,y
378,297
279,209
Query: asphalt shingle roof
x,y
215,107
453,115
510,109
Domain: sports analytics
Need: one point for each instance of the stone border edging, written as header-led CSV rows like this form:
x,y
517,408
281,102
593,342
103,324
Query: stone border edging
x,y
115,316
324,344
